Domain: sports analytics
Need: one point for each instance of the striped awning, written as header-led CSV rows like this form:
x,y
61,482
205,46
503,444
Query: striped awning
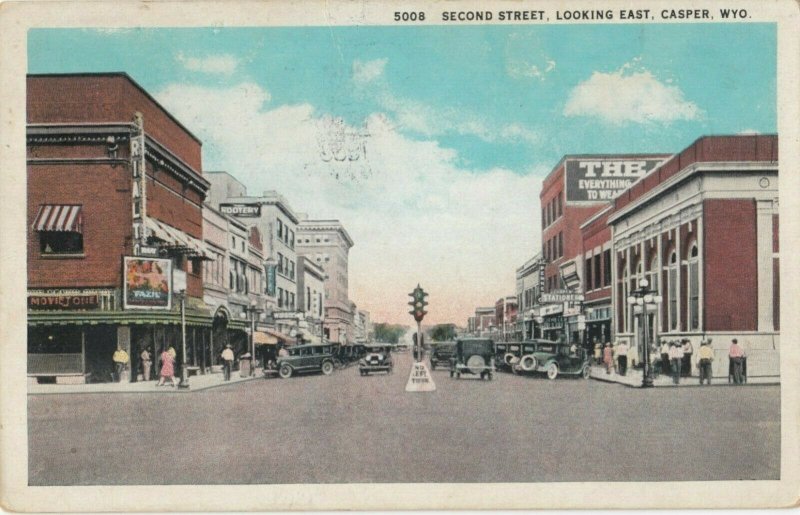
x,y
57,217
176,239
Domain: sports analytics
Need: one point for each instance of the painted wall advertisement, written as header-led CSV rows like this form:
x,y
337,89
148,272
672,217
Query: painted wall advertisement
x,y
600,180
147,283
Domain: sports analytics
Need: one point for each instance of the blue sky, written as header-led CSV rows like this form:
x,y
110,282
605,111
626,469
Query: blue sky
x,y
447,115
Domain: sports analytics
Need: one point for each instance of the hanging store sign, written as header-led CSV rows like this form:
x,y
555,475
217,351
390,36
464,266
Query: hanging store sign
x,y
550,310
558,296
601,180
63,302
146,283
241,210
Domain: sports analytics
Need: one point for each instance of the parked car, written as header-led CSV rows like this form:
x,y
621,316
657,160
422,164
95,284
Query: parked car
x,y
441,354
525,360
474,356
555,359
507,354
312,357
378,358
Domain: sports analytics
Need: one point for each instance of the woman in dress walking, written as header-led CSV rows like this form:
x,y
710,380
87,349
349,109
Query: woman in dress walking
x,y
167,368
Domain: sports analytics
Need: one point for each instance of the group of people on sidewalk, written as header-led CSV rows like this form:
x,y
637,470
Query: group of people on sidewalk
x,y
675,359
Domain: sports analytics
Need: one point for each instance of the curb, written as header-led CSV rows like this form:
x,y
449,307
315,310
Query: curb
x,y
684,385
166,391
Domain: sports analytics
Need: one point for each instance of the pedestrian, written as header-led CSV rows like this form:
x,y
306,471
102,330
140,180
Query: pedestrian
x,y
121,360
688,350
736,355
598,352
676,358
227,362
665,364
622,357
147,363
608,357
706,356
168,368
282,352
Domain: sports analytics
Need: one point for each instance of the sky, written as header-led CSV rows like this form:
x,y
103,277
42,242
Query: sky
x,y
430,143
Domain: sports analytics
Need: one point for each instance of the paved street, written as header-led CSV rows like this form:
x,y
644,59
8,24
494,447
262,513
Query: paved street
x,y
347,428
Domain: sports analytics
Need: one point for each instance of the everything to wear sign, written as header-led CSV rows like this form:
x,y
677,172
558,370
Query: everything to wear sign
x,y
600,180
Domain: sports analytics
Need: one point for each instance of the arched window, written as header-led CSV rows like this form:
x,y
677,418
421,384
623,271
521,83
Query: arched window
x,y
672,291
694,288
653,275
624,291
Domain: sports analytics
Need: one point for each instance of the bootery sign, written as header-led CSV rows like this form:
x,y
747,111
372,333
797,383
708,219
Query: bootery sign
x,y
600,180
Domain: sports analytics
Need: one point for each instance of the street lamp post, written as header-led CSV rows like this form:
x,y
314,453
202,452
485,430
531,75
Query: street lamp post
x,y
644,297
184,372
253,310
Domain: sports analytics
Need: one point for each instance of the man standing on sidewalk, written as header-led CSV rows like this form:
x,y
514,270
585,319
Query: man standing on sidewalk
x,y
676,357
736,355
120,362
227,362
622,357
706,356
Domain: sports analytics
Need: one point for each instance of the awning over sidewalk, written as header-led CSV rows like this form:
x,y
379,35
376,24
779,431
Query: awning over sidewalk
x,y
176,239
286,339
262,338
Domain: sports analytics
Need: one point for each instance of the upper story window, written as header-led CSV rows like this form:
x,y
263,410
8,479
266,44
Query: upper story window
x,y
280,229
60,229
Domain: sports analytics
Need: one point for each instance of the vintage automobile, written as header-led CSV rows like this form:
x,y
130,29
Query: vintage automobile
x,y
554,359
441,354
473,356
507,354
524,358
312,357
378,358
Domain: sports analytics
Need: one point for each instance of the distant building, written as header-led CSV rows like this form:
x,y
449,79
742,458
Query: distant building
x,y
485,320
311,296
529,287
506,317
327,244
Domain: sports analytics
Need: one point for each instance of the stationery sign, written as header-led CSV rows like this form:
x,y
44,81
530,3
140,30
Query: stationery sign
x,y
146,284
601,180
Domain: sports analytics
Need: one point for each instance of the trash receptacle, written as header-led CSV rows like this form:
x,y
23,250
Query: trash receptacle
x,y
244,365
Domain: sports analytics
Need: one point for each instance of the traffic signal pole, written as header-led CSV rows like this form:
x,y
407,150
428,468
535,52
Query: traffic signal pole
x,y
419,380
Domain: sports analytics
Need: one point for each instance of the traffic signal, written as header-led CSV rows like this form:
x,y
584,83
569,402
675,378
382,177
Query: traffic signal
x,y
418,303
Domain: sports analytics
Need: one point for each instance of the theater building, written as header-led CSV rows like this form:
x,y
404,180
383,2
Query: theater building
x,y
702,228
577,189
114,240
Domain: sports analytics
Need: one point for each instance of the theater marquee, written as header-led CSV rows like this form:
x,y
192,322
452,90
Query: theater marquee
x,y
600,180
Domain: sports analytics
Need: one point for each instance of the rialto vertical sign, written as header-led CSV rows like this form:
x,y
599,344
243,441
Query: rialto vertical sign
x,y
602,179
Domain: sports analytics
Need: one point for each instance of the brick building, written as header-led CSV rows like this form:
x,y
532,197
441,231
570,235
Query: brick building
x,y
703,229
115,192
579,187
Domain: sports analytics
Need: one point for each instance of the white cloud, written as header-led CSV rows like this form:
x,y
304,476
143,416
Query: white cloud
x,y
368,71
414,214
223,64
749,132
428,120
629,96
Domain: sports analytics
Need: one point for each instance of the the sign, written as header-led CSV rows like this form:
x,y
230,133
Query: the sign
x,y
145,250
241,210
420,379
147,283
271,280
601,180
557,296
550,310
572,312
64,302
286,315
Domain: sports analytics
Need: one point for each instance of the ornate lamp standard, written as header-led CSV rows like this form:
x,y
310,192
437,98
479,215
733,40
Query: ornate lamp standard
x,y
253,310
184,373
645,297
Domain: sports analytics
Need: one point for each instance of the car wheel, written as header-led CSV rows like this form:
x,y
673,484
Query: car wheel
x,y
458,375
433,365
509,359
285,372
451,373
552,371
586,373
490,376
475,364
327,368
528,363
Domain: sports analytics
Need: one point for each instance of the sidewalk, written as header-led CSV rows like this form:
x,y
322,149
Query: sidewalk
x,y
633,379
196,383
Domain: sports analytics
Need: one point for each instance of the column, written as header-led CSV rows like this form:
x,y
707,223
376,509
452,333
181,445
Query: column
x,y
764,257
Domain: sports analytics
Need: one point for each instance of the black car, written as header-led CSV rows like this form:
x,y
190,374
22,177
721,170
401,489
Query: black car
x,y
441,354
473,356
305,358
378,358
507,354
